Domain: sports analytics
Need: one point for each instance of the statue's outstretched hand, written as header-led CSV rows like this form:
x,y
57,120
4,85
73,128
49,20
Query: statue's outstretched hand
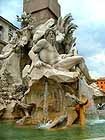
x,y
39,64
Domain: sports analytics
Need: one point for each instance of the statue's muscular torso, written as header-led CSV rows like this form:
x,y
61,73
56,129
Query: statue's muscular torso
x,y
47,53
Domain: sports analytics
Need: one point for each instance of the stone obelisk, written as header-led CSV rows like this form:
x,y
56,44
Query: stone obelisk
x,y
42,10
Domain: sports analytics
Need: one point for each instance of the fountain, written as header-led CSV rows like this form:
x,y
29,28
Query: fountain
x,y
40,71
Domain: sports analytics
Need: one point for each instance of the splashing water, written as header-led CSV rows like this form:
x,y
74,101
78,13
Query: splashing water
x,y
97,121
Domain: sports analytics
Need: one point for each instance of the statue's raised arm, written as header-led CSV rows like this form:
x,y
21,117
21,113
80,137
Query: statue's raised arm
x,y
10,47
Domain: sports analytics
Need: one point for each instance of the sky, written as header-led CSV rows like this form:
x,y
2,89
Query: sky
x,y
89,15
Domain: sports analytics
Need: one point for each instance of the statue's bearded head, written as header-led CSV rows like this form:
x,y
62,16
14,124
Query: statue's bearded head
x,y
50,36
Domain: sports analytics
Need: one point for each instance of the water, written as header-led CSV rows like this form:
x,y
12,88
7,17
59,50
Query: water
x,y
9,131
44,125
94,130
98,121
45,105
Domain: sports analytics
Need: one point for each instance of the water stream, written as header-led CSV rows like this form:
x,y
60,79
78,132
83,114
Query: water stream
x,y
45,104
45,108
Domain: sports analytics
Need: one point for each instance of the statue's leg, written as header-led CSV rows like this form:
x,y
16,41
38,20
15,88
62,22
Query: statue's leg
x,y
68,62
84,70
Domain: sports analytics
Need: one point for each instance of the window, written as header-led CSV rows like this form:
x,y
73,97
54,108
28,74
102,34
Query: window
x,y
102,87
10,34
1,32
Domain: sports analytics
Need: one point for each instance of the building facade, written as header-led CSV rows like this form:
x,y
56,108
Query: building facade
x,y
101,83
6,31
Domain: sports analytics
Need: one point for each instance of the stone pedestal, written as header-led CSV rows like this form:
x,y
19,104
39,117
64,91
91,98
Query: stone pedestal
x,y
55,99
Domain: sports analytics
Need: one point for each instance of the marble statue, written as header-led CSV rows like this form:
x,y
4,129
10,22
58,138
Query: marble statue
x,y
9,48
65,29
25,36
46,54
41,29
25,19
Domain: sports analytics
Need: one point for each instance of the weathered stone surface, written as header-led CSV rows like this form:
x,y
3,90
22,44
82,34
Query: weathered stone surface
x,y
41,29
50,73
2,107
55,99
85,89
10,74
26,120
9,110
71,116
42,10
